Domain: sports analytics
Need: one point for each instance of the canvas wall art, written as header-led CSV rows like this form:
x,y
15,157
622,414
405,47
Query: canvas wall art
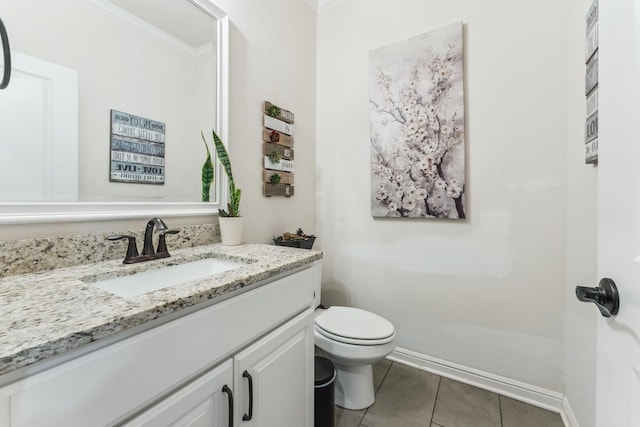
x,y
417,127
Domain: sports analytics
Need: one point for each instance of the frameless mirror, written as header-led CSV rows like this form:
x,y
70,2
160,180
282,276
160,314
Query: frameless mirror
x,y
83,71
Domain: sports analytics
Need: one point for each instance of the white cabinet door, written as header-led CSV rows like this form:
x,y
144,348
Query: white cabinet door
x,y
206,402
274,377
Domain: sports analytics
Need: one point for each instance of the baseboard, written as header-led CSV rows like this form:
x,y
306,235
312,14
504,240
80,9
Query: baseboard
x,y
568,417
537,396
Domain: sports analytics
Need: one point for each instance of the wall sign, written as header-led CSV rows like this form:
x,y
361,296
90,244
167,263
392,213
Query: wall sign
x,y
591,85
277,148
137,149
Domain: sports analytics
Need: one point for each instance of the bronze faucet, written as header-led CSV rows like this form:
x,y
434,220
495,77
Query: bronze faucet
x,y
148,253
148,235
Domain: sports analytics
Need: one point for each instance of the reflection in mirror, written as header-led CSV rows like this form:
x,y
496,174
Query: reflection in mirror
x,y
74,62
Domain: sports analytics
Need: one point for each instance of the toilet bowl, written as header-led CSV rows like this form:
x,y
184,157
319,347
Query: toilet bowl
x,y
353,339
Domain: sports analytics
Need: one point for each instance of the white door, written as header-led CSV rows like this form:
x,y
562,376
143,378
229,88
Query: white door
x,y
274,378
618,353
39,132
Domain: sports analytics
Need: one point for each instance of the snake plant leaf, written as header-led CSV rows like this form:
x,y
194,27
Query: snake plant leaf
x,y
207,173
234,193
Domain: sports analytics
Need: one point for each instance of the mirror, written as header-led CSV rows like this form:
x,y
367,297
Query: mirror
x,y
159,61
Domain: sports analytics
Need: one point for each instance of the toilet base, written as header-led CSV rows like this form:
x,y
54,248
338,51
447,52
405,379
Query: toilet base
x,y
354,386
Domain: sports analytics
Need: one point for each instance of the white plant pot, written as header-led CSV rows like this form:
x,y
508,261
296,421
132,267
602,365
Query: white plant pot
x,y
231,230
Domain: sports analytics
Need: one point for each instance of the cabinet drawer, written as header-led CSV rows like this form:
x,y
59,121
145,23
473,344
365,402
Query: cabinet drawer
x,y
115,382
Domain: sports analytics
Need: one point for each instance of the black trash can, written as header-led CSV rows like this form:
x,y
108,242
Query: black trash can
x,y
325,376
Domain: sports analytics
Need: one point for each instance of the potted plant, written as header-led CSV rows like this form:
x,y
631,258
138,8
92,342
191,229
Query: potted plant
x,y
295,240
230,219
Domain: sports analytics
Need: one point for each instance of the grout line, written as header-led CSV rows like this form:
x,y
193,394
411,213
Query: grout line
x,y
433,411
362,418
500,409
375,392
364,414
384,377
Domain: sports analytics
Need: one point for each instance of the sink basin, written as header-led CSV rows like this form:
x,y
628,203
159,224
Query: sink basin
x,y
160,278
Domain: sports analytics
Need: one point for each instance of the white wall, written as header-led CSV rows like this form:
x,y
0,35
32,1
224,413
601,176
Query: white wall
x,y
272,57
487,292
581,262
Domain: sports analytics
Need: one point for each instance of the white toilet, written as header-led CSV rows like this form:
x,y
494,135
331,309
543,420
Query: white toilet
x,y
353,339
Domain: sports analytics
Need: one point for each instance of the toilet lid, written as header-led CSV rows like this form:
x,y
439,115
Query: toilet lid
x,y
353,325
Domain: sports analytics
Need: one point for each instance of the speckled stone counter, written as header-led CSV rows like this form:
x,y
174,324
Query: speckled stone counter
x,y
48,313
32,255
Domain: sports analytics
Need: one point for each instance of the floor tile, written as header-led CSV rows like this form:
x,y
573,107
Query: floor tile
x,y
519,414
405,399
462,405
380,369
348,418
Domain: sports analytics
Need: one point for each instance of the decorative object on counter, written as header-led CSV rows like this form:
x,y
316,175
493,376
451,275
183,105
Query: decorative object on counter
x,y
591,85
417,127
148,253
137,149
207,174
230,220
278,150
231,229
295,240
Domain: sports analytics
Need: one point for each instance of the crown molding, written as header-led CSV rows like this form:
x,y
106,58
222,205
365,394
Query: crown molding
x,y
322,5
313,4
328,4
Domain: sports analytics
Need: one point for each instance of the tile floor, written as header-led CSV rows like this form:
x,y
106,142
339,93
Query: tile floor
x,y
409,397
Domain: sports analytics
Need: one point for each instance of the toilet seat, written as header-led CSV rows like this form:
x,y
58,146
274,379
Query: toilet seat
x,y
351,325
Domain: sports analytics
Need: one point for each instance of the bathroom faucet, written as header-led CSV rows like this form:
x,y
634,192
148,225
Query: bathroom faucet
x,y
148,235
148,253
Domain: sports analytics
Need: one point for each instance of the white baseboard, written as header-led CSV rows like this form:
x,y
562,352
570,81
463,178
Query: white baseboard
x,y
534,395
568,417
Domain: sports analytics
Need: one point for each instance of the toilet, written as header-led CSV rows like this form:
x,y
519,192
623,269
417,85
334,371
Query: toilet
x,y
353,339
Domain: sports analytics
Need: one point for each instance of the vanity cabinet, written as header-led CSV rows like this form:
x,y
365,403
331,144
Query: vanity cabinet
x,y
267,384
205,402
273,378
174,374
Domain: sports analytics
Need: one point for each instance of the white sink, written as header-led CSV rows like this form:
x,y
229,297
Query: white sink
x,y
152,280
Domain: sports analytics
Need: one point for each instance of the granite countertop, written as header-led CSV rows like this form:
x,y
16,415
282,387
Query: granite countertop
x,y
49,313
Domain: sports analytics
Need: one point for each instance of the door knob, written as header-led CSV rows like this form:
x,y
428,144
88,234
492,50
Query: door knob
x,y
605,296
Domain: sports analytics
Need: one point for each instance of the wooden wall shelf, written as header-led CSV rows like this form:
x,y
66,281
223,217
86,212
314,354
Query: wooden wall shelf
x,y
277,143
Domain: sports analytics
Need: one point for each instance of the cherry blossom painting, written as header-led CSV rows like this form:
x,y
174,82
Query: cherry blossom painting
x,y
417,127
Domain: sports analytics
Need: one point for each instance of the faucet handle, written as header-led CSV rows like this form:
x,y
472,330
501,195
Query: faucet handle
x,y
162,243
132,247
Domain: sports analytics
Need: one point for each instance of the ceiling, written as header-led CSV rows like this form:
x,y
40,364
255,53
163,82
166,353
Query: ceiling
x,y
162,14
320,5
